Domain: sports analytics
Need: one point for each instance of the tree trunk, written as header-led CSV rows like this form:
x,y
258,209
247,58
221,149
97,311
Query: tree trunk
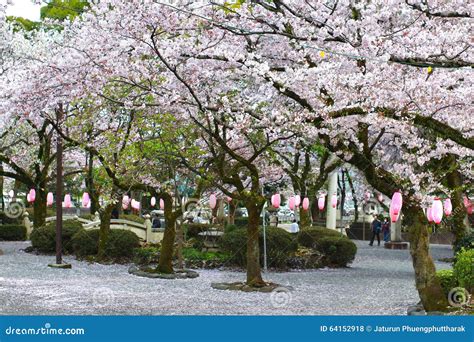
x,y
95,206
232,209
105,217
305,220
39,208
165,264
458,226
254,274
354,196
428,286
2,202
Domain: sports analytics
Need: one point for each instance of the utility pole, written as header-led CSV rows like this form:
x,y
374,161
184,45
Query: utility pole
x,y
59,193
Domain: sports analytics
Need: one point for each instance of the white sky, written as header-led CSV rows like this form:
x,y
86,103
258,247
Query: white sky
x,y
24,8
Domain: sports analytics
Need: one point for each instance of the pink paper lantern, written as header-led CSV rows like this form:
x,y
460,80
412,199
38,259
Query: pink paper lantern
x,y
49,199
32,195
153,201
321,202
85,199
291,203
125,202
469,210
437,210
397,202
466,201
28,198
429,214
276,200
212,201
162,204
334,200
393,216
135,204
297,200
306,203
67,201
448,207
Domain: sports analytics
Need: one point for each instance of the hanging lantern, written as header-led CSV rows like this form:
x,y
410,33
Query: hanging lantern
x,y
135,204
396,203
153,201
306,203
469,210
32,195
448,207
380,198
212,201
67,201
49,199
297,200
291,203
28,198
162,204
276,200
429,214
85,199
334,200
125,202
437,211
321,203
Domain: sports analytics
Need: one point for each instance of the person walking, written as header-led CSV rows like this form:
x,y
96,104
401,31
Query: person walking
x,y
376,228
386,230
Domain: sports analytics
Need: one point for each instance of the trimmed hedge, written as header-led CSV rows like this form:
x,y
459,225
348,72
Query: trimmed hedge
x,y
338,251
447,280
12,232
244,221
280,246
308,237
43,238
146,255
120,243
463,269
131,217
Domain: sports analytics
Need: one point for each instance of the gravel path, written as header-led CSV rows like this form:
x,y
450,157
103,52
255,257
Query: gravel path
x,y
380,282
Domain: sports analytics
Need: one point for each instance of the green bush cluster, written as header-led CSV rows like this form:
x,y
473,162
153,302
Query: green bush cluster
x,y
86,243
280,246
197,255
132,217
467,242
192,230
308,237
338,251
463,269
43,239
12,232
146,255
447,280
5,219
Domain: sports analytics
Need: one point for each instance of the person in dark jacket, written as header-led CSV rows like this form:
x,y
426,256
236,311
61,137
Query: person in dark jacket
x,y
386,230
376,229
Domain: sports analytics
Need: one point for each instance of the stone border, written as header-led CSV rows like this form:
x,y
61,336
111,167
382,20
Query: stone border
x,y
178,274
241,286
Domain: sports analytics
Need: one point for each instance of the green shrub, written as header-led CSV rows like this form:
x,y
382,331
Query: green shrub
x,y
85,242
131,217
337,251
231,227
146,255
308,237
12,232
463,269
466,242
192,230
241,221
197,255
120,245
447,280
89,217
280,246
43,238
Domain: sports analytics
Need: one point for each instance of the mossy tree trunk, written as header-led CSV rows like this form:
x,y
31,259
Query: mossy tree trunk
x,y
305,219
165,264
232,210
2,202
105,215
458,226
254,273
428,286
39,207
